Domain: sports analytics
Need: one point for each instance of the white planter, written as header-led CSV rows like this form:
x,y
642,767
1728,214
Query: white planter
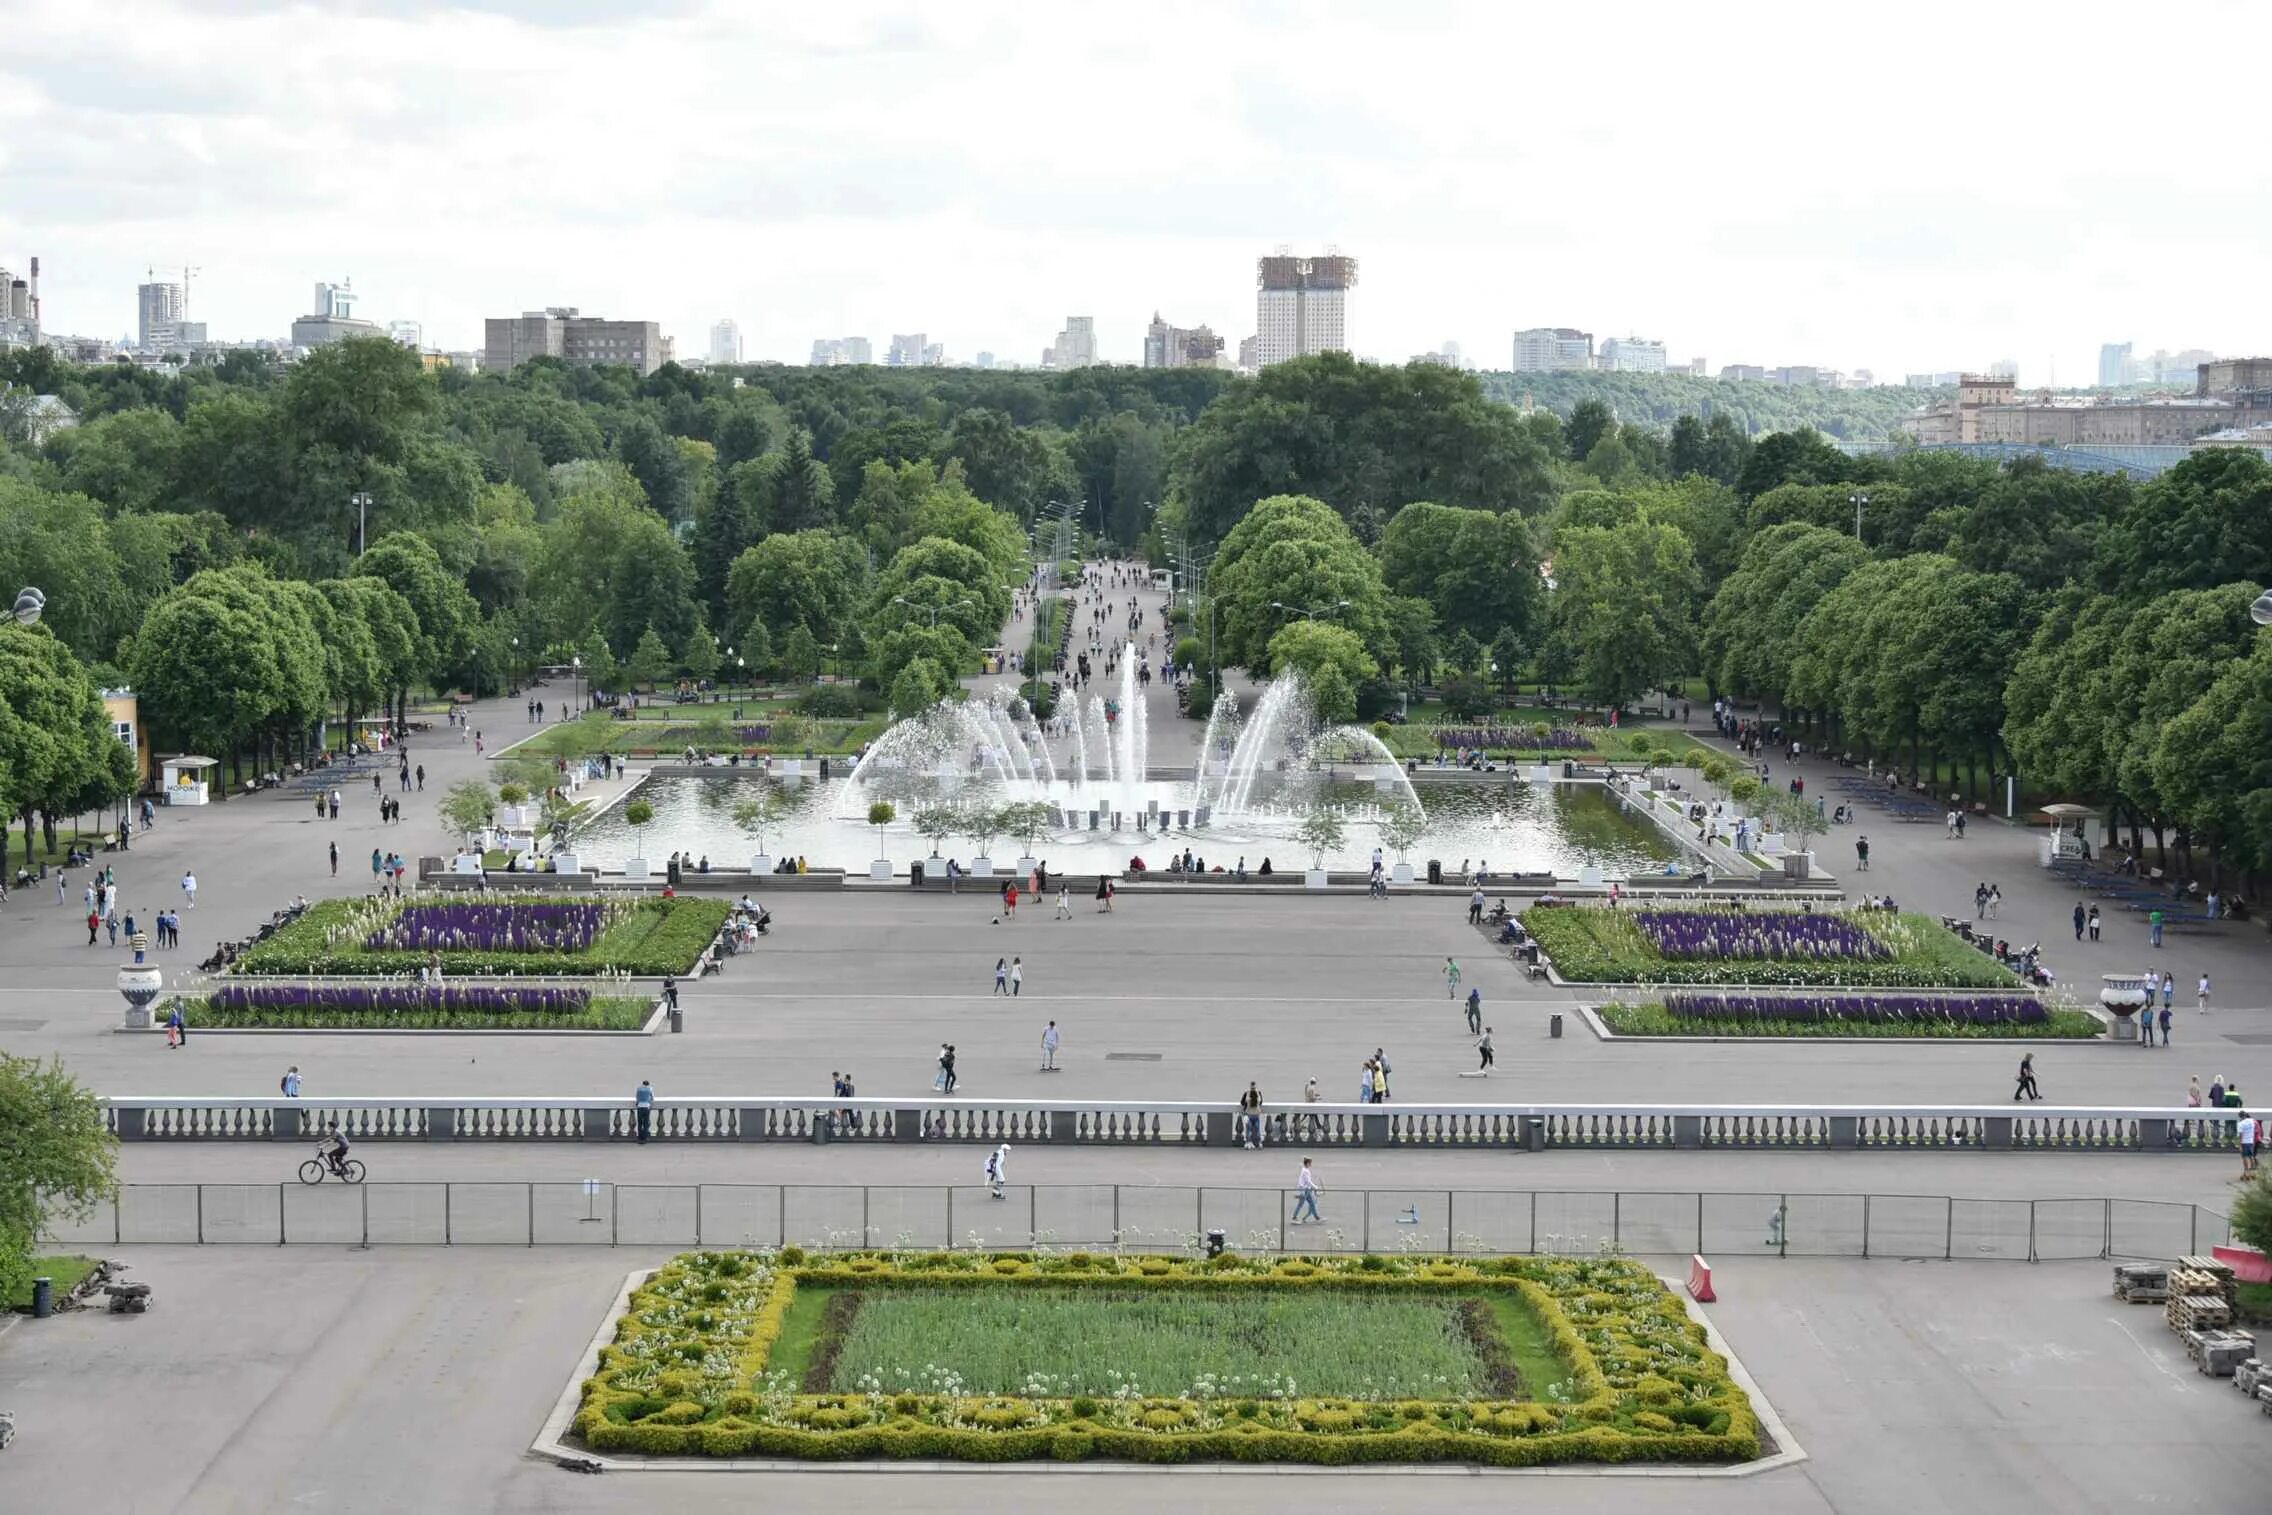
x,y
880,868
140,984
1400,874
1315,878
635,867
1027,865
565,862
512,817
466,863
760,863
1589,877
1542,775
982,867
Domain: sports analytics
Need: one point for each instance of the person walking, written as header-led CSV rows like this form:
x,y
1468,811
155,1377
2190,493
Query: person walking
x,y
177,1029
290,1082
947,1068
1995,900
1474,1011
1483,1053
1049,1040
1980,900
997,1170
2146,1020
1017,976
1451,978
2193,1092
1064,906
94,925
2248,1129
2166,1012
1475,908
643,1103
1861,854
2079,922
2201,996
2094,923
1380,1083
421,775
2026,1083
335,859
2169,995
1010,901
939,1079
1250,1116
189,887
2154,927
1305,1195
1001,975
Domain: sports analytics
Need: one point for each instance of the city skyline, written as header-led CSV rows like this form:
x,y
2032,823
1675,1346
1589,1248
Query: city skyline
x,y
455,180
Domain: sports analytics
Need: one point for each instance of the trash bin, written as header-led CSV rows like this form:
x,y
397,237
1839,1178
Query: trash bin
x,y
1530,953
915,875
1554,1026
678,1021
822,1121
824,768
1435,870
1569,769
43,1298
1214,1244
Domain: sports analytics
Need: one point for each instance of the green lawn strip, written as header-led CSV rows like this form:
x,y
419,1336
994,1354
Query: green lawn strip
x,y
1655,1020
1057,1342
2254,1301
793,1349
657,937
67,1269
1589,945
615,1014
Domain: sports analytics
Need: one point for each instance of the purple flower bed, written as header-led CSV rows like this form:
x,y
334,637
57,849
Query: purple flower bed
x,y
1966,1009
1517,738
562,927
1685,935
476,999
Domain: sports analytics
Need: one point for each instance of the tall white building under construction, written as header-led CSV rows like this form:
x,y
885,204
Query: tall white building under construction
x,y
1301,305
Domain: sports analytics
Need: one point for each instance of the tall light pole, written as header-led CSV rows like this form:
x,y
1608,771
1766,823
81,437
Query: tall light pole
x,y
1861,498
361,500
933,611
1312,613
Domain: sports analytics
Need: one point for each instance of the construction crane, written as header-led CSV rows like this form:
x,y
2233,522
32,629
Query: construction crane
x,y
186,274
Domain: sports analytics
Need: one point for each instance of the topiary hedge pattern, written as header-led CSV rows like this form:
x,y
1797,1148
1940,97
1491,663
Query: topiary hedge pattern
x,y
687,1374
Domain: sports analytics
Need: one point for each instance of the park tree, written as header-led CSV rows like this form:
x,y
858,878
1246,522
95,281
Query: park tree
x,y
58,1160
1590,421
650,661
807,579
447,615
1624,605
57,754
1289,555
1330,662
699,655
2208,521
661,469
1477,570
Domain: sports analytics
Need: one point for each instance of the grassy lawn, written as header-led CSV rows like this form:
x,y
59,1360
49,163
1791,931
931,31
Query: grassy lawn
x,y
1591,945
1656,1020
67,1270
2254,1300
644,937
1048,1342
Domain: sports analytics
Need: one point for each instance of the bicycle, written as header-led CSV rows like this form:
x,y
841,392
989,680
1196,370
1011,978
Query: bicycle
x,y
313,1170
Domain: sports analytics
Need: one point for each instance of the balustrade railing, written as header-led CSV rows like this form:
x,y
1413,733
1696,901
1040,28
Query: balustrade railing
x,y
763,1118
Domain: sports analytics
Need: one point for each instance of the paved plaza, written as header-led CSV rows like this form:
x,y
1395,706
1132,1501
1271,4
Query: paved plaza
x,y
1910,1385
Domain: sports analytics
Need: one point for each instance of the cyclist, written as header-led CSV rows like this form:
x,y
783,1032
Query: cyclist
x,y
333,1150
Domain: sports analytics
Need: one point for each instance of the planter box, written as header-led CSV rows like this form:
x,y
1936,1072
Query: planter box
x,y
565,862
1316,878
1400,874
982,867
635,867
880,868
760,863
1027,865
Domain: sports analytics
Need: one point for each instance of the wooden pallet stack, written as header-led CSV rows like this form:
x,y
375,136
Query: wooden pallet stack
x,y
2141,1284
2200,1310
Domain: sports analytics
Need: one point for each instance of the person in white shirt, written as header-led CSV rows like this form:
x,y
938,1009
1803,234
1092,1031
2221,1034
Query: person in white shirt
x,y
1049,1049
2249,1127
1305,1194
997,1169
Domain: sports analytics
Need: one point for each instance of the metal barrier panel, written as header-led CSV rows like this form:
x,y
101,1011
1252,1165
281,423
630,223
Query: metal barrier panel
x,y
1658,1224
822,1215
2068,1229
741,1215
573,1213
324,1213
1161,1216
2152,1229
238,1213
1486,1221
906,1216
1824,1225
158,1213
2211,1230
1250,1219
1990,1228
1405,1220
1575,1225
987,1224
98,1228
1909,1225
493,1214
1742,1225
416,1215
1074,1215
658,1215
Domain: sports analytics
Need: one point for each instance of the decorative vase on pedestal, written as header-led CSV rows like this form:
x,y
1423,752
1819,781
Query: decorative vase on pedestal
x,y
2124,996
140,984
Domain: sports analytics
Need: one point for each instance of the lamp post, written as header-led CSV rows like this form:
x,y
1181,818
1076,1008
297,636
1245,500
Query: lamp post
x,y
1860,498
934,611
513,673
361,500
575,674
1314,612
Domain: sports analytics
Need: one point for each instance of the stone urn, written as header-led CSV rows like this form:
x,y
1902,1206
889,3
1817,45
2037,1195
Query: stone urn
x,y
2123,997
140,984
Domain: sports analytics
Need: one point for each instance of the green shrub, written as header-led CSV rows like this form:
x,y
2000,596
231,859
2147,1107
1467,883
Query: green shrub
x,y
829,701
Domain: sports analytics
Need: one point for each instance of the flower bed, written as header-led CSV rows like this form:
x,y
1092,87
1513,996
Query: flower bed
x,y
1882,1015
1591,945
412,1007
563,926
693,1371
644,938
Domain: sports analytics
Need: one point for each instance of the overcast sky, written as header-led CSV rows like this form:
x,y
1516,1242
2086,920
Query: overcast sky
x,y
1930,186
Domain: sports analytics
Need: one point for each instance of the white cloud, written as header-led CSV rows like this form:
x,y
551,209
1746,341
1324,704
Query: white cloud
x,y
1777,182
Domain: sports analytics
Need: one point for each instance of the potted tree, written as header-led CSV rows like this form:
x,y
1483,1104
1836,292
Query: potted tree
x,y
937,823
1321,831
982,823
758,816
880,815
637,814
1401,828
1028,821
467,810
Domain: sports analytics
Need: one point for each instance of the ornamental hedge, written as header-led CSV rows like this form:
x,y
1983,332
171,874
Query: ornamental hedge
x,y
688,1372
644,938
1851,949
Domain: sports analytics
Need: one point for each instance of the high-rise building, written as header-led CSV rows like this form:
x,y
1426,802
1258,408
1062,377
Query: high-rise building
x,y
1546,349
2180,367
906,350
838,352
160,309
409,333
1301,305
2114,366
331,318
725,342
19,310
1168,346
581,341
1076,345
1632,355
334,301
934,354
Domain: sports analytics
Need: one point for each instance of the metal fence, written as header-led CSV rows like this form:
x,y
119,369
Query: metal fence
x,y
1145,1217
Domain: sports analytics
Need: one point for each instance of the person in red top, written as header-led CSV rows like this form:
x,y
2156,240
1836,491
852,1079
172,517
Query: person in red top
x,y
1010,901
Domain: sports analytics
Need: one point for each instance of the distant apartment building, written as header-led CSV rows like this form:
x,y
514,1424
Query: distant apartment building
x,y
725,343
934,354
1947,378
1747,373
331,318
2234,379
906,351
1249,349
158,310
1550,349
1958,419
409,333
19,309
1168,346
580,341
1076,345
840,352
2130,423
2179,367
1301,306
1632,355
2114,366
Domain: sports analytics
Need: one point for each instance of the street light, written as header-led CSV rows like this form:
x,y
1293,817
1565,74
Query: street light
x,y
934,611
361,500
1860,498
1311,614
576,673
